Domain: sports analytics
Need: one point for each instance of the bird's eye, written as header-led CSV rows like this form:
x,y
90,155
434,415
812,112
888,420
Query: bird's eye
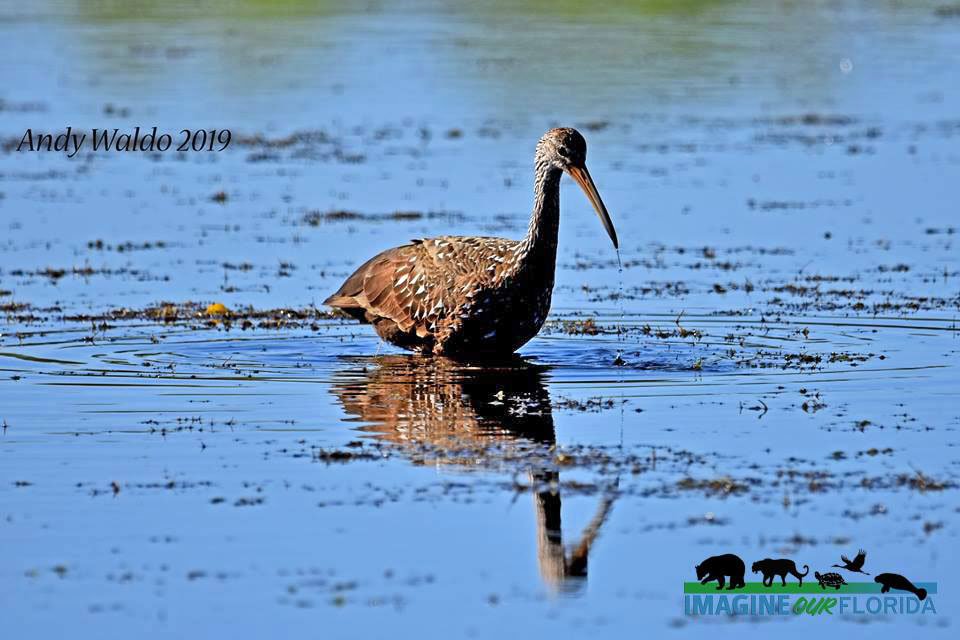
x,y
564,152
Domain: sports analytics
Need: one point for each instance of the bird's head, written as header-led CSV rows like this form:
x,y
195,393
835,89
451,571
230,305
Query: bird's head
x,y
566,150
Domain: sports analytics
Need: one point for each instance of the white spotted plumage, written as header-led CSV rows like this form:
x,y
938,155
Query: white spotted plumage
x,y
468,294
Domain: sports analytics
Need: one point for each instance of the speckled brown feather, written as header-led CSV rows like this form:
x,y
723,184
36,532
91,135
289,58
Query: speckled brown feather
x,y
466,294
415,293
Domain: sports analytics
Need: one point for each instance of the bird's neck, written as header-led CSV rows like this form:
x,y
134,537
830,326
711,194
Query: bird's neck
x,y
539,246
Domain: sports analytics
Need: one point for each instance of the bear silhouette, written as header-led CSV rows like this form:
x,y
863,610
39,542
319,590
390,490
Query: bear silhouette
x,y
717,567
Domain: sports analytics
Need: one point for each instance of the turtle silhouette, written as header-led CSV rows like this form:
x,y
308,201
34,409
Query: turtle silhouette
x,y
834,580
897,581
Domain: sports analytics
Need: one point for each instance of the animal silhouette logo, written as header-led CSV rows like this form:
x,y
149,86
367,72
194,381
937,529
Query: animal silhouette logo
x,y
855,565
834,580
728,570
781,567
718,567
897,581
829,597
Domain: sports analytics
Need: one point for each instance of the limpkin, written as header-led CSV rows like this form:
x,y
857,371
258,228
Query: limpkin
x,y
468,295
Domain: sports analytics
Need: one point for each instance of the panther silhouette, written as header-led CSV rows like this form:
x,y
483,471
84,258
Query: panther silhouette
x,y
780,567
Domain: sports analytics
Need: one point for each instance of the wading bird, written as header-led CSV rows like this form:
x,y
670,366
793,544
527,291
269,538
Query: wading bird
x,y
474,296
855,565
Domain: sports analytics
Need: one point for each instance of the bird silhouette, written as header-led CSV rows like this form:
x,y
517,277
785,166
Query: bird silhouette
x,y
855,565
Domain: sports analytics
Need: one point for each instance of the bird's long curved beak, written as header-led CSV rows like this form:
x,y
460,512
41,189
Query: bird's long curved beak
x,y
582,176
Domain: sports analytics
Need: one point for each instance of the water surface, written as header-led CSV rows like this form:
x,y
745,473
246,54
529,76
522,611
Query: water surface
x,y
782,177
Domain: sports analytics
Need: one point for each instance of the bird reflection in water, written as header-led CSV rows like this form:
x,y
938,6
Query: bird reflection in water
x,y
494,416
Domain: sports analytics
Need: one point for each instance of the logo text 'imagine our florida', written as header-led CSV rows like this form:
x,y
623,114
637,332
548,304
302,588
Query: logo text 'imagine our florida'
x,y
831,594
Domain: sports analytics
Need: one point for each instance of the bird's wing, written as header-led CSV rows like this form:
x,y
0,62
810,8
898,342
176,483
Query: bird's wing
x,y
861,557
845,559
377,288
478,266
417,284
403,284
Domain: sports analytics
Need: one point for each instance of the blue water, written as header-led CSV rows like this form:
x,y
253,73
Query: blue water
x,y
783,180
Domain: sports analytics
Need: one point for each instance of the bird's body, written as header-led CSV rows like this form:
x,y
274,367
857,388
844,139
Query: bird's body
x,y
855,565
450,294
467,295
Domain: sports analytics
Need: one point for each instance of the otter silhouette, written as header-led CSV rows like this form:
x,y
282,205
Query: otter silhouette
x,y
716,567
897,581
781,567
